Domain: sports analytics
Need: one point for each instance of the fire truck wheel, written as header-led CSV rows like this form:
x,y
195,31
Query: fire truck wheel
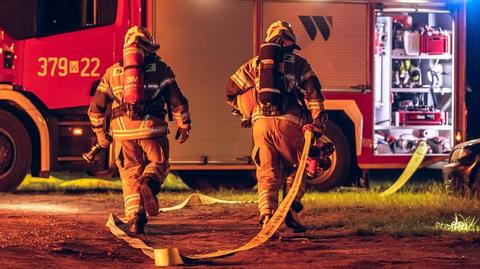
x,y
15,152
341,161
206,180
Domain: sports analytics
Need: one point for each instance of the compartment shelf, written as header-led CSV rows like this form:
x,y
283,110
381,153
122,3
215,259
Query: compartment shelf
x,y
421,90
424,56
413,127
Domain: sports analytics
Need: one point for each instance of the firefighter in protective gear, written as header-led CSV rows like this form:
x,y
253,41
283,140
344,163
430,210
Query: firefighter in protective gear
x,y
278,139
143,158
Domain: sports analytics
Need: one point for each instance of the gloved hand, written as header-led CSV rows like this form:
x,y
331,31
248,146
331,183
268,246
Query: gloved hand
x,y
318,126
103,139
183,134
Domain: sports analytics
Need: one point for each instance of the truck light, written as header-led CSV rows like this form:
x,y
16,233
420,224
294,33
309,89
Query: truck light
x,y
77,131
458,136
8,59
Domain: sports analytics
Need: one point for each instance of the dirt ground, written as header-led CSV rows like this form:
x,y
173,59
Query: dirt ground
x,y
68,231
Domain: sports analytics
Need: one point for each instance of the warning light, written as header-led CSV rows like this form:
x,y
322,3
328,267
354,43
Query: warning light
x,y
458,136
77,131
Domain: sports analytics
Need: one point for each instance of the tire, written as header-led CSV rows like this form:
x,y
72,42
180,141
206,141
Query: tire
x,y
15,151
337,174
211,180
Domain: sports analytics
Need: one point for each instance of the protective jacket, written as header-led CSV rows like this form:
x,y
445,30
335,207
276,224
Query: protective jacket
x,y
303,88
161,90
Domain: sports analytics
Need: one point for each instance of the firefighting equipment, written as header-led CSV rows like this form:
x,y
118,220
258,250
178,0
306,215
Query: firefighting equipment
x,y
149,188
280,30
136,225
319,158
406,73
266,233
439,144
412,166
103,138
138,43
110,91
134,88
95,149
271,91
317,127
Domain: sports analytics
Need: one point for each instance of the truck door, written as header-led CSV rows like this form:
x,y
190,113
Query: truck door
x,y
72,48
333,37
205,42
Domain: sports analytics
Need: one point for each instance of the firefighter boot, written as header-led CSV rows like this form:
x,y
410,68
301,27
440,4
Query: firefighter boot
x,y
136,225
293,220
148,191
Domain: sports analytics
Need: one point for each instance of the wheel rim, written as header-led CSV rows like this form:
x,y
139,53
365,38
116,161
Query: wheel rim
x,y
324,175
6,153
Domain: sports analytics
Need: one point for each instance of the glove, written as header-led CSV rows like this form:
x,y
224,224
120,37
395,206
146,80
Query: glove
x,y
318,126
103,139
183,134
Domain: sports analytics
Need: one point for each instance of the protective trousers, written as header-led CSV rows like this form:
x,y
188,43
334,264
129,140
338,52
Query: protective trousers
x,y
140,158
277,150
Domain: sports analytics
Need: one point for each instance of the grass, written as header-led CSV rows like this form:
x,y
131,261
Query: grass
x,y
76,182
419,209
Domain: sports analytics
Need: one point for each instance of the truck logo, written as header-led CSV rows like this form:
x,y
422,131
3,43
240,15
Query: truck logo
x,y
323,23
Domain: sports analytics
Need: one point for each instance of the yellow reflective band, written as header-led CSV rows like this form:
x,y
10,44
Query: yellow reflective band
x,y
268,61
269,90
239,80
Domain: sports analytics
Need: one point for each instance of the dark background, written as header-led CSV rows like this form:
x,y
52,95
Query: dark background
x,y
473,69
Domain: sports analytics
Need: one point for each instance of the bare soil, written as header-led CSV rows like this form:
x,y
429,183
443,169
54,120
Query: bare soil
x,y
68,231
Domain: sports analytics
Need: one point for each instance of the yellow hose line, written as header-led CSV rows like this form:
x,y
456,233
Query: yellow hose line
x,y
165,257
412,166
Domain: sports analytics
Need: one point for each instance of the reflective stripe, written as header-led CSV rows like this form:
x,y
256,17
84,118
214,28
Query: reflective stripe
x,y
140,133
292,118
269,90
132,197
132,50
102,87
239,80
144,121
268,61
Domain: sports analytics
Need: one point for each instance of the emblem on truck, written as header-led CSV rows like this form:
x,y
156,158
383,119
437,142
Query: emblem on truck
x,y
323,23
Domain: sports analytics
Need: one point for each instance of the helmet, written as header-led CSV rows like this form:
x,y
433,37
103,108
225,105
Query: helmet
x,y
142,38
281,29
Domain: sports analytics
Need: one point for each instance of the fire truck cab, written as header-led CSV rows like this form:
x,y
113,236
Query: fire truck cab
x,y
392,73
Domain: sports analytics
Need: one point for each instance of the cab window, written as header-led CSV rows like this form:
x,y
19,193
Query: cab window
x,y
35,18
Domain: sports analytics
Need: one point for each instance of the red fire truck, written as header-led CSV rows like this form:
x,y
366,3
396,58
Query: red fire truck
x,y
392,73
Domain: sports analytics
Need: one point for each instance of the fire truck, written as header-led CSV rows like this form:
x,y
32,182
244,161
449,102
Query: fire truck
x,y
392,73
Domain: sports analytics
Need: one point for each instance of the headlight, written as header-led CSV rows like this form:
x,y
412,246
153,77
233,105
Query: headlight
x,y
461,155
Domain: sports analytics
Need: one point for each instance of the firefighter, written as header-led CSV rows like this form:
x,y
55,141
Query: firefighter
x,y
277,123
139,88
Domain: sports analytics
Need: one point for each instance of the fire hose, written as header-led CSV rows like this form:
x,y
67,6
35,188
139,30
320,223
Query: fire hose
x,y
172,256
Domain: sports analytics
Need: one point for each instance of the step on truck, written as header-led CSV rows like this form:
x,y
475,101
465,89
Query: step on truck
x,y
392,73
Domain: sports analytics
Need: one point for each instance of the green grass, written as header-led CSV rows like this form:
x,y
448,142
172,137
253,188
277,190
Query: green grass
x,y
409,212
75,182
418,209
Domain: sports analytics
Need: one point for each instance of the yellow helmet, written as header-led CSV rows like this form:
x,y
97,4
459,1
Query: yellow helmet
x,y
281,29
142,37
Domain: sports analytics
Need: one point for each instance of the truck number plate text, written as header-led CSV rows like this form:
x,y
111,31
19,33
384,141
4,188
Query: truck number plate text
x,y
62,67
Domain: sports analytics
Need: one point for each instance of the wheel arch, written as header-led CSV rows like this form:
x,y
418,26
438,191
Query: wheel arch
x,y
347,112
41,126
